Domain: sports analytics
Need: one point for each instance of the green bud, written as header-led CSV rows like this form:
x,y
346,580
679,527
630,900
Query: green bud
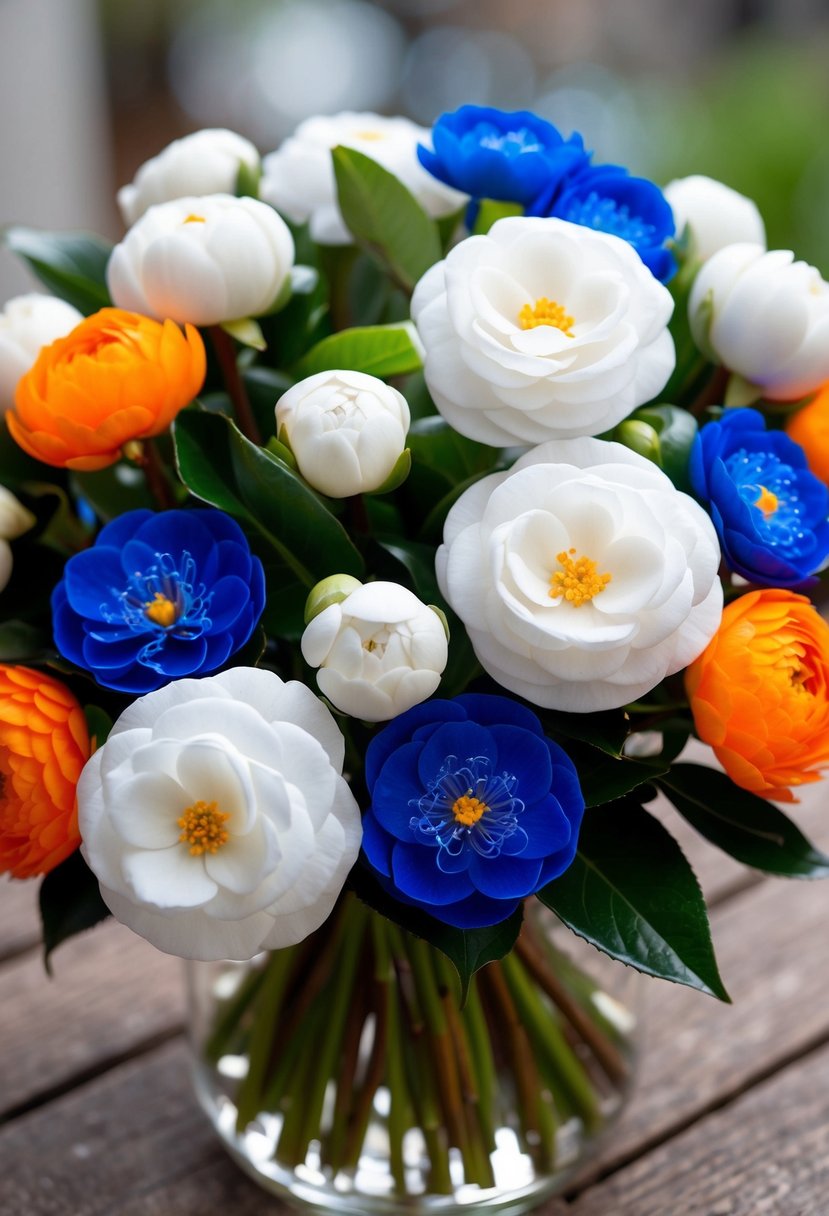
x,y
639,437
331,590
397,476
442,615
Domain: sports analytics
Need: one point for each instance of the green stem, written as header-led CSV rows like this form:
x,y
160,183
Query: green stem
x,y
396,1076
225,350
249,1099
480,1050
227,1026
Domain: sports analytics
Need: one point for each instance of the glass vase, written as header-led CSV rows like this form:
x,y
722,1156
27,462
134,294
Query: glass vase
x,y
348,1074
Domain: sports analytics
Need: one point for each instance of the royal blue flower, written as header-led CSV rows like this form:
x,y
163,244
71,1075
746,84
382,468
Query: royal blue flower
x,y
608,199
770,512
490,153
157,597
472,808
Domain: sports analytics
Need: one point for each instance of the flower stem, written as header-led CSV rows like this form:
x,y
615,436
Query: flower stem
x,y
249,1098
144,453
226,355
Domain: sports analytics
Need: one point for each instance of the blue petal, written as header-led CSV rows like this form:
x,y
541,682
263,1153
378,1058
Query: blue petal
x,y
116,656
397,784
415,873
547,828
462,739
174,531
219,650
377,845
181,658
136,679
489,710
505,877
123,527
93,578
400,730
525,756
230,597
67,627
137,558
476,912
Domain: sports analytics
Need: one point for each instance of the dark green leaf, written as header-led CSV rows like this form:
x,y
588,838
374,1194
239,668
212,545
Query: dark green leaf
x,y
110,492
631,893
264,387
70,901
99,724
377,350
606,731
438,446
384,218
71,264
748,828
419,562
23,643
604,778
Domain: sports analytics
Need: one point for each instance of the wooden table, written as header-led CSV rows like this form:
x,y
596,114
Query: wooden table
x,y
730,1118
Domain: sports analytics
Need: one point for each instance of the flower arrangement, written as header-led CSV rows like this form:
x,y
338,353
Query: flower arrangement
x,y
378,523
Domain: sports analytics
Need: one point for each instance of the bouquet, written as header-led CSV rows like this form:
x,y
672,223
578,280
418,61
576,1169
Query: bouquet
x,y
379,522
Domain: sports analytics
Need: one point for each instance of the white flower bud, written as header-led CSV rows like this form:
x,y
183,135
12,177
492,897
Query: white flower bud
x,y
765,317
28,323
379,652
346,429
203,260
206,162
14,521
715,214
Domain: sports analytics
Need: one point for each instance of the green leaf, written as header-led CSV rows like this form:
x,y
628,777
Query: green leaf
x,y
99,724
631,893
377,350
436,445
604,778
490,210
110,492
746,827
70,902
247,180
23,643
677,430
419,561
384,218
606,731
71,264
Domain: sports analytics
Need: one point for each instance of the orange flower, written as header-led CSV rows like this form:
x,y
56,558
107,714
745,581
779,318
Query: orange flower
x,y
759,693
117,376
44,744
810,428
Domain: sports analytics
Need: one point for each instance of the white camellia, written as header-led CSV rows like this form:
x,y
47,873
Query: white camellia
x,y
15,519
765,317
28,323
206,162
204,260
216,818
298,178
582,575
346,429
379,651
715,214
542,329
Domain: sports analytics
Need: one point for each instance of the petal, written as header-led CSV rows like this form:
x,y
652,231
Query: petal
x,y
415,872
168,878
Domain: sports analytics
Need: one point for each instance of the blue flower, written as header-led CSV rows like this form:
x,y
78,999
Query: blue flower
x,y
770,512
608,199
157,597
472,808
490,153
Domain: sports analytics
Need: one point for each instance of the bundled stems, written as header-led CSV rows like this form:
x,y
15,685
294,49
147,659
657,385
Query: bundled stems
x,y
226,355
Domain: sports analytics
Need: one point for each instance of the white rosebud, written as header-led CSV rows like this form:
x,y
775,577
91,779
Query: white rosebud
x,y
298,179
715,214
542,329
765,317
204,260
215,816
582,575
347,430
14,521
206,162
28,323
379,651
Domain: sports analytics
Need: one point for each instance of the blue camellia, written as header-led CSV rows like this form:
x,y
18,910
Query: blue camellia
x,y
472,808
490,153
608,199
157,597
770,512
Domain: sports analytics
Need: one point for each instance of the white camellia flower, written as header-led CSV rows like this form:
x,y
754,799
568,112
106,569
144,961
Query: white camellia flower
x,y
15,519
298,178
28,323
379,651
542,329
582,575
346,429
765,317
715,214
216,818
204,260
206,162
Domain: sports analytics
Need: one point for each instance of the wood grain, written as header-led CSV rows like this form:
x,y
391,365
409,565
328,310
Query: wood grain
x,y
19,925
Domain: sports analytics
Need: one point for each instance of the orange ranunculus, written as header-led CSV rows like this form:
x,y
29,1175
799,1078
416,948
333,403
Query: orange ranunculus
x,y
115,377
44,744
810,428
760,693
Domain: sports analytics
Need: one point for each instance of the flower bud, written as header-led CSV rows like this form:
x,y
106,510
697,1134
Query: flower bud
x,y
346,429
27,324
206,162
328,591
14,521
715,214
202,260
379,652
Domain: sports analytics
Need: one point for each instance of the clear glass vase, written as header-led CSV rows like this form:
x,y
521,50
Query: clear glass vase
x,y
348,1075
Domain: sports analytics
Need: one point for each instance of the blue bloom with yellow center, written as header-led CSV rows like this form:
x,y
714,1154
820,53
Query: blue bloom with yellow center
x,y
771,513
472,808
158,597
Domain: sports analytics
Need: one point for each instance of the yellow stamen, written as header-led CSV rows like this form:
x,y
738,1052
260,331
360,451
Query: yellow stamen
x,y
194,219
767,502
546,312
161,610
468,810
578,582
201,828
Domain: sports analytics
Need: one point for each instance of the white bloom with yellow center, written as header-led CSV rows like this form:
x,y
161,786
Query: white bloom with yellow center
x,y
27,324
542,329
298,178
216,817
15,519
715,214
379,651
206,162
205,261
582,575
